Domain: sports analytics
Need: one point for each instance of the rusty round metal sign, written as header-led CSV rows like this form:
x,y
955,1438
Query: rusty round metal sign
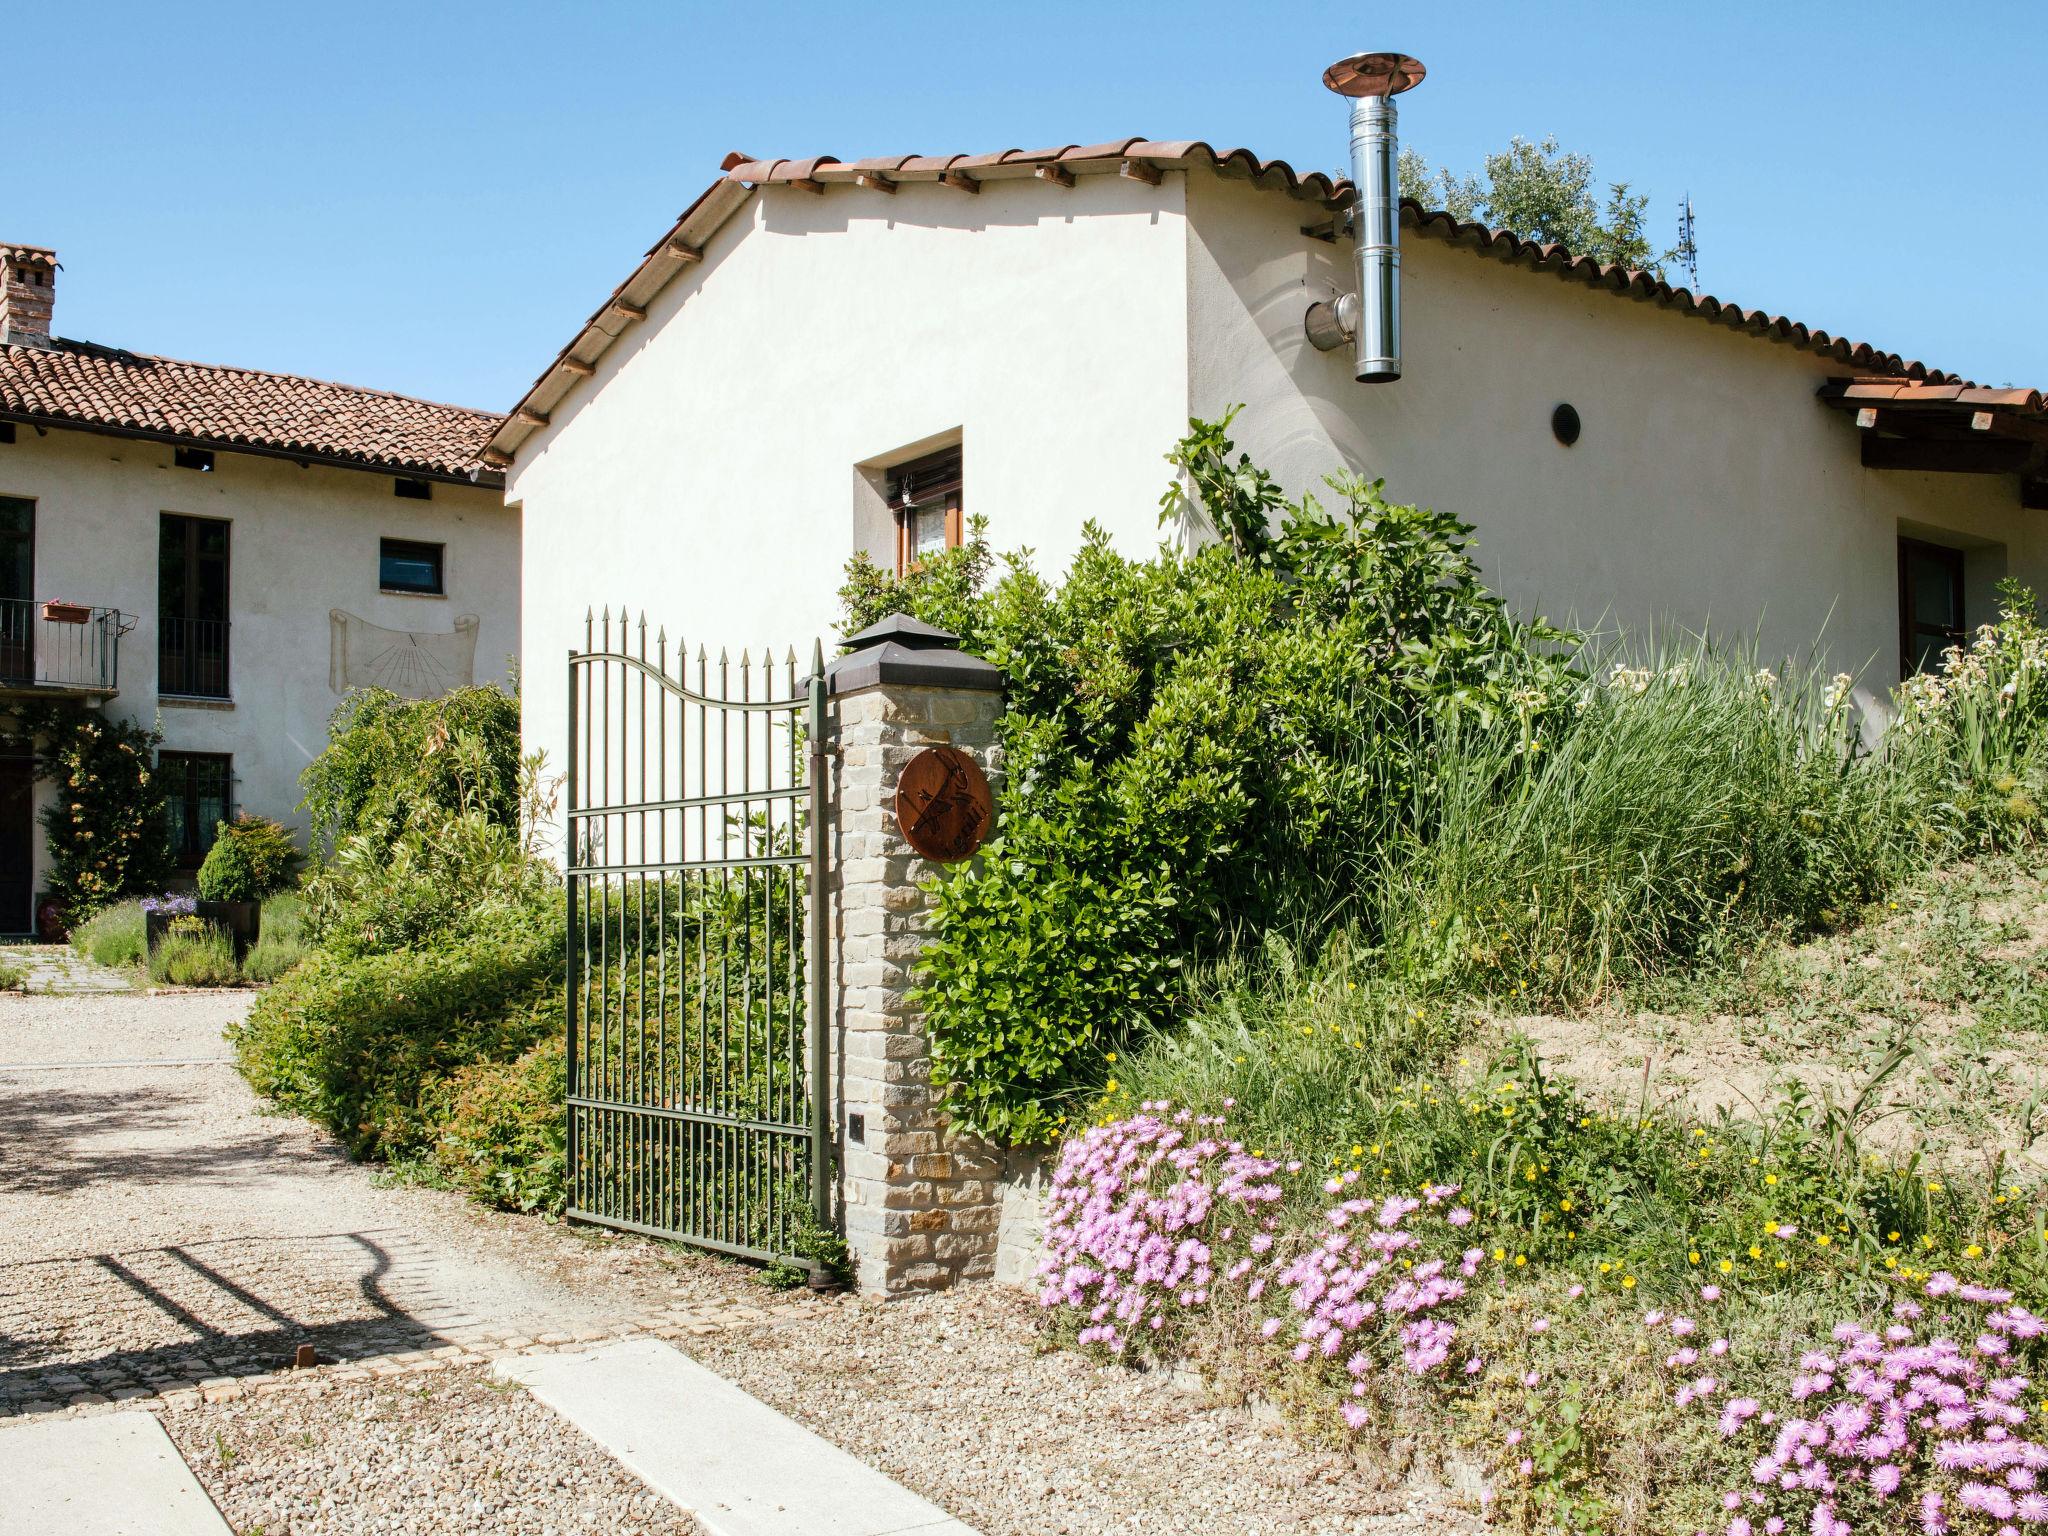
x,y
943,804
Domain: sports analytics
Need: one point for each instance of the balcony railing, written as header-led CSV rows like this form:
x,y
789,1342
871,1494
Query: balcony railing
x,y
192,658
59,647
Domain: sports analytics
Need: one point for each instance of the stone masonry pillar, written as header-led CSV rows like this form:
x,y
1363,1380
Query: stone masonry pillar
x,y
920,1200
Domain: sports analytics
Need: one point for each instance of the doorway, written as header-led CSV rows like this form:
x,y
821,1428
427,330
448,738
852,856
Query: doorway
x,y
17,846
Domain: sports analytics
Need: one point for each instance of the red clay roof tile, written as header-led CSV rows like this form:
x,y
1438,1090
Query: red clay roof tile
x,y
78,384
1315,186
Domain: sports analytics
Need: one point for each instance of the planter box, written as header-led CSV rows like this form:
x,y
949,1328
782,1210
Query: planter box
x,y
66,613
241,921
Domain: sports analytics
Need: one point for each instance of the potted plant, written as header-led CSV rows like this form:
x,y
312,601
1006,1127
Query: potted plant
x,y
158,911
59,612
252,857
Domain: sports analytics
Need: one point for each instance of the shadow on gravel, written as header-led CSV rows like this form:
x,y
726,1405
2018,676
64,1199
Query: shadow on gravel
x,y
57,1139
159,1318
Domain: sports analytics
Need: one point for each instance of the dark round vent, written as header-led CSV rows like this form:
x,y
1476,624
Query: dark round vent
x,y
1564,424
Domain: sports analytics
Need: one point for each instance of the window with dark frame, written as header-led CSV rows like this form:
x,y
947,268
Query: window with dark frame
x,y
17,589
406,565
1930,604
925,497
192,607
199,791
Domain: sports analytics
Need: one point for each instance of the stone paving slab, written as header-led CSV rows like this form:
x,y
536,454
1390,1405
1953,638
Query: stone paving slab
x,y
734,1463
114,1475
59,970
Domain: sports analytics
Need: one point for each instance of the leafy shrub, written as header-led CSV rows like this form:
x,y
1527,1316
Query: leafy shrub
x,y
1194,745
355,1040
194,953
502,1136
113,936
388,757
1675,807
375,896
252,857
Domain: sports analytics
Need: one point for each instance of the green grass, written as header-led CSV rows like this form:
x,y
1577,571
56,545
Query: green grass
x,y
194,953
13,977
283,943
1692,806
113,936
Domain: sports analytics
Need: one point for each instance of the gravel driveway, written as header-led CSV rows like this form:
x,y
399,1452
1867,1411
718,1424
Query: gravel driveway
x,y
169,1243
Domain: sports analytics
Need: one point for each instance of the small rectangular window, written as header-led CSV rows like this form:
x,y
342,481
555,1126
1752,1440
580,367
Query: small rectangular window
x,y
412,490
6,431
200,459
404,565
925,495
1930,604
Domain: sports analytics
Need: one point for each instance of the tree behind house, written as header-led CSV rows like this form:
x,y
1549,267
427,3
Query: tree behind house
x,y
1545,193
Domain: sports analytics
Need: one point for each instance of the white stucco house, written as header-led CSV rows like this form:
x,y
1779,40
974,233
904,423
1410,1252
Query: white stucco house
x,y
224,552
821,357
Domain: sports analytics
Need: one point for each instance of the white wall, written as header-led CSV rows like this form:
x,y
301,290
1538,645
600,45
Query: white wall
x,y
1709,485
707,474
303,541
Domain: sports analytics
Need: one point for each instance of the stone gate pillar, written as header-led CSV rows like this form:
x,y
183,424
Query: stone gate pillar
x,y
920,1201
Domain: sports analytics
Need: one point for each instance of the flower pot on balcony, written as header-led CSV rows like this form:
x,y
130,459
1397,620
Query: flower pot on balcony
x,y
66,613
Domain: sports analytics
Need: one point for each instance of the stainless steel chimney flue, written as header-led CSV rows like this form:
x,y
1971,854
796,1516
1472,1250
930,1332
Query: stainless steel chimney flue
x,y
1373,80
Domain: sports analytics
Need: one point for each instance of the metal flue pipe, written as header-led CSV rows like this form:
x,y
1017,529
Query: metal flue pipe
x,y
1375,153
1372,80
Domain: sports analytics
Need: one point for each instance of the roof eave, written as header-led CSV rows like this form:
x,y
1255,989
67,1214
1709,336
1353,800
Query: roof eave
x,y
482,475
676,251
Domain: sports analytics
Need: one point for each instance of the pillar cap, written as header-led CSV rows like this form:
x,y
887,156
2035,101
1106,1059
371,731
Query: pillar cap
x,y
903,651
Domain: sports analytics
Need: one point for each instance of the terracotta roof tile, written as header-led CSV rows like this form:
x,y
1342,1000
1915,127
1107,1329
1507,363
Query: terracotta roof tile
x,y
744,173
78,384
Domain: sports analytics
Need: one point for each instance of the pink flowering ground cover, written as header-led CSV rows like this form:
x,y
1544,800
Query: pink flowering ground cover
x,y
1387,1318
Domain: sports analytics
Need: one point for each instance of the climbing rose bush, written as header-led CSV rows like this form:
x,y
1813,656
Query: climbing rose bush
x,y
1907,1426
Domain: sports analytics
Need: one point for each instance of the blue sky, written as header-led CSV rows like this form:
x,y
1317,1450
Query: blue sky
x,y
429,197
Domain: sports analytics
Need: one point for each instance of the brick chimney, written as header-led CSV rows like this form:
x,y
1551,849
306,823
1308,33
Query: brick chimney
x,y
28,292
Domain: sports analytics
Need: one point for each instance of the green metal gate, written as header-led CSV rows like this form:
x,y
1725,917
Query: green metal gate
x,y
696,962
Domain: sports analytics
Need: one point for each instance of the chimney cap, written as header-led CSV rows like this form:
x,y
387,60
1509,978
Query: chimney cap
x,y
27,255
1374,74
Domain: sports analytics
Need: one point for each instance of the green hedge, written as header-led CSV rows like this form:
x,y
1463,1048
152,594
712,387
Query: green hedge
x,y
360,1043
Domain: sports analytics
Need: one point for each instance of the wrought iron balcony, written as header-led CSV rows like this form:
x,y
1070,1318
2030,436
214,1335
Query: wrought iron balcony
x,y
59,648
192,658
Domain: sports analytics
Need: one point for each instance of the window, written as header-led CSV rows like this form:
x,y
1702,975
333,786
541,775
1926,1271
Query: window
x,y
406,566
6,431
17,589
200,459
1930,604
925,496
200,789
412,490
192,607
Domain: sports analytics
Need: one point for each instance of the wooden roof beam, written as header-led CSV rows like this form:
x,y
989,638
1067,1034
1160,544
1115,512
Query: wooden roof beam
x,y
1993,457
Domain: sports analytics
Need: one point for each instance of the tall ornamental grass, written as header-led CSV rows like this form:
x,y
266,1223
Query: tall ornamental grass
x,y
1686,802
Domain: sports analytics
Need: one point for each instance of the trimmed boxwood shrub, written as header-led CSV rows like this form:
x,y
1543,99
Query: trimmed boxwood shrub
x,y
252,857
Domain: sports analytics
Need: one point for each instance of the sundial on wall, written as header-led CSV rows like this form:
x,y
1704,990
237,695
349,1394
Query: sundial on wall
x,y
414,664
943,804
